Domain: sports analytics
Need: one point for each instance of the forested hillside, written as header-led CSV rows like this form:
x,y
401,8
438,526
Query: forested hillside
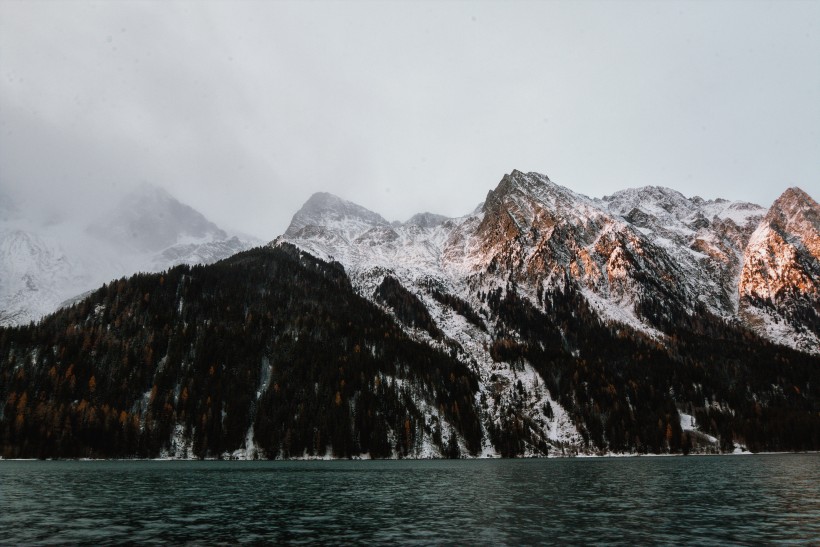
x,y
271,344
628,391
272,354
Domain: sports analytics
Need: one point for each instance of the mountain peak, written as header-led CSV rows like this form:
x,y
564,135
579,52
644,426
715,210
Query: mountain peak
x,y
792,198
625,250
782,266
517,182
325,209
794,208
649,197
427,220
149,219
44,265
520,179
323,200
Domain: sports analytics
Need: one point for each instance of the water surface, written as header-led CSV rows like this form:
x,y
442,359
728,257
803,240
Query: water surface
x,y
692,500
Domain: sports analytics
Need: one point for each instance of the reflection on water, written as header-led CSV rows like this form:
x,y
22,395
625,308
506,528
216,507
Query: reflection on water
x,y
693,500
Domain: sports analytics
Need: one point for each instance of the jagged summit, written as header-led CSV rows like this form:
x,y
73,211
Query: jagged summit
x,y
427,220
523,202
780,283
659,198
795,211
330,211
795,218
653,191
670,206
794,201
641,256
517,184
796,194
335,229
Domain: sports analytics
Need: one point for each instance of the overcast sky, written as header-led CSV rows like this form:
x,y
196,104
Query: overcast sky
x,y
244,109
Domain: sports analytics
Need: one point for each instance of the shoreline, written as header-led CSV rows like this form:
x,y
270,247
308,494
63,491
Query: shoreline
x,y
359,459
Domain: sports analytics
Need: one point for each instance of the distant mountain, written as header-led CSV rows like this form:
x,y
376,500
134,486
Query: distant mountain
x,y
34,274
41,266
149,219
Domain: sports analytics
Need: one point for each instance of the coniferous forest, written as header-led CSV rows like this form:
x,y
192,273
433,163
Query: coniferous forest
x,y
270,342
275,346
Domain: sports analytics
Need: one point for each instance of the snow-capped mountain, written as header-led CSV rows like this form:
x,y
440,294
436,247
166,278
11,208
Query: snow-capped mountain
x,y
335,229
33,272
705,238
543,322
647,259
642,257
637,254
43,265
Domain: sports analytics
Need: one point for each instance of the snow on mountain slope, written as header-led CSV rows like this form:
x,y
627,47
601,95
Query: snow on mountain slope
x,y
370,248
43,265
529,231
32,269
368,245
705,238
202,252
780,282
642,257
537,233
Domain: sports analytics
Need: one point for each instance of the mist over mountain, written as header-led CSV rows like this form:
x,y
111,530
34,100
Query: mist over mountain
x,y
544,322
149,219
45,261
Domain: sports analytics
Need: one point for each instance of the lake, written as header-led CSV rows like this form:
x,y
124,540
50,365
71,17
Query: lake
x,y
693,500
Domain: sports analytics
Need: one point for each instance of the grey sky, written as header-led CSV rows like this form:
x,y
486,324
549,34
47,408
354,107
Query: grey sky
x,y
244,109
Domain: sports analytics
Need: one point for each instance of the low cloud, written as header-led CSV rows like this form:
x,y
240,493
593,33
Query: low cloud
x,y
244,109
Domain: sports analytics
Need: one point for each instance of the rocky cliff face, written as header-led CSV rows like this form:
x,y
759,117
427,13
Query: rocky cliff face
x,y
780,282
705,239
643,257
538,235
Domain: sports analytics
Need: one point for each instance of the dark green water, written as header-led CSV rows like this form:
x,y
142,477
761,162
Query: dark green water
x,y
691,500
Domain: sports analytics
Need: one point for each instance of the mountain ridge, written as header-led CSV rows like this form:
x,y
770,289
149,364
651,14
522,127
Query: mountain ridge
x,y
542,323
538,232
